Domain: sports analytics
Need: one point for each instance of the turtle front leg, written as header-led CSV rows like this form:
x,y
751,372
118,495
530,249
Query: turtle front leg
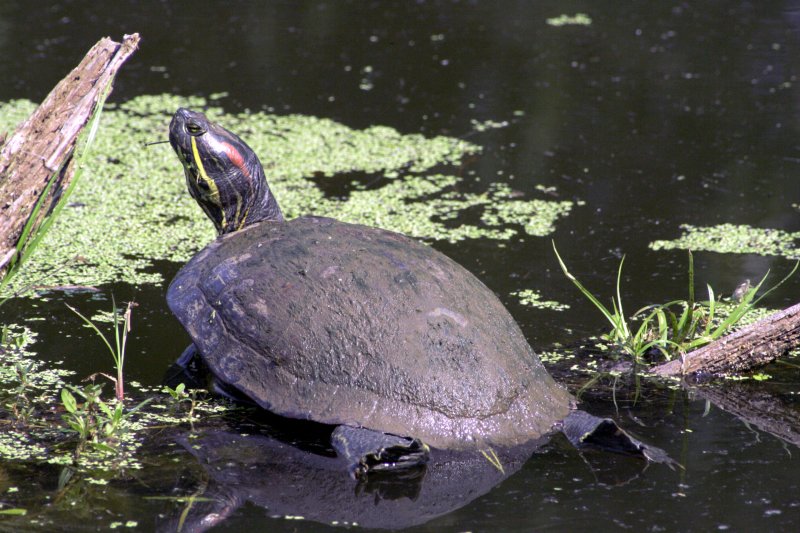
x,y
187,356
188,369
366,450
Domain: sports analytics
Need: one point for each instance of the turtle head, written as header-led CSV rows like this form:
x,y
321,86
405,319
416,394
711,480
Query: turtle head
x,y
223,174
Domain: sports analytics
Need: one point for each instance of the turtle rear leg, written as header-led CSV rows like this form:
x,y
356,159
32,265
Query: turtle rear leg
x,y
366,450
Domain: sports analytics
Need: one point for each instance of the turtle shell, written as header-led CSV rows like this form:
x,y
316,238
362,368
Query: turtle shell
x,y
347,324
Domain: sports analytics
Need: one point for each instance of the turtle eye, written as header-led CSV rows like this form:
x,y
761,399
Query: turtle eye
x,y
195,129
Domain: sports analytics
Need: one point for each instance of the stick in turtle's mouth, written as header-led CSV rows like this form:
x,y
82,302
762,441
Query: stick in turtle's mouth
x,y
156,142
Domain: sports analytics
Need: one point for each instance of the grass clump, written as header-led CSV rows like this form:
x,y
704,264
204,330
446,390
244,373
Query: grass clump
x,y
122,327
97,423
676,327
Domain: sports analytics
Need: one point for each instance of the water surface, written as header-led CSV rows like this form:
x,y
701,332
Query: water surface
x,y
654,115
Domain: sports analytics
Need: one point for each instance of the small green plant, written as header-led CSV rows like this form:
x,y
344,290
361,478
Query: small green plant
x,y
179,395
87,418
96,423
21,406
122,328
18,339
676,327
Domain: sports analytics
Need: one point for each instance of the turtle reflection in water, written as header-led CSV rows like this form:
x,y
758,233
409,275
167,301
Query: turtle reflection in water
x,y
295,482
384,337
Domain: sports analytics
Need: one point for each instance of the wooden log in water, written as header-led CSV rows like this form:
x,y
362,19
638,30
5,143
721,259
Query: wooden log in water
x,y
42,147
750,347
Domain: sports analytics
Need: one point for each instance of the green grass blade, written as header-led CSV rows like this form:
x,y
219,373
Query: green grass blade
x,y
620,311
493,459
106,409
115,314
91,325
602,308
82,147
712,307
741,309
680,332
781,282
673,322
139,406
16,511
620,328
24,246
691,279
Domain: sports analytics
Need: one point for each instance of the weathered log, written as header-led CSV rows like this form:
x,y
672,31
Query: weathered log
x,y
752,346
42,147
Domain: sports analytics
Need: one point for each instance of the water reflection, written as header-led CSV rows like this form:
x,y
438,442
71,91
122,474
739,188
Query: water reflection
x,y
289,481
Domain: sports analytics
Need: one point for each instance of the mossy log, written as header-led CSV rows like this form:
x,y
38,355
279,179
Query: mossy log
x,y
750,347
42,147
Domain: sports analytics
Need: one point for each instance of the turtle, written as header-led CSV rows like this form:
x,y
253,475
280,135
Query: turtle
x,y
381,336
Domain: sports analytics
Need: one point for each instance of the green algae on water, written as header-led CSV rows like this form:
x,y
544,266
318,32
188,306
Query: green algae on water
x,y
578,19
486,125
555,356
733,238
531,298
132,208
536,216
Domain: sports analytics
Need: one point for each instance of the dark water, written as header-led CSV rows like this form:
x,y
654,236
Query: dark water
x,y
656,114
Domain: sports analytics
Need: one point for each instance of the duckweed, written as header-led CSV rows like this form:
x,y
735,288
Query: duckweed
x,y
555,356
131,207
733,238
533,299
486,125
578,19
536,216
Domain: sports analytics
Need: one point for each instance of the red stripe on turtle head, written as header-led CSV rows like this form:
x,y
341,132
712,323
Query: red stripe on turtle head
x,y
236,158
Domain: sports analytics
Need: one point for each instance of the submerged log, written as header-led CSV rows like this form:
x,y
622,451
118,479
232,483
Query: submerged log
x,y
752,346
43,146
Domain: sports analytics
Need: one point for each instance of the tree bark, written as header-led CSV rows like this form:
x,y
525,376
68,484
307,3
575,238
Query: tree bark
x,y
43,146
752,346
